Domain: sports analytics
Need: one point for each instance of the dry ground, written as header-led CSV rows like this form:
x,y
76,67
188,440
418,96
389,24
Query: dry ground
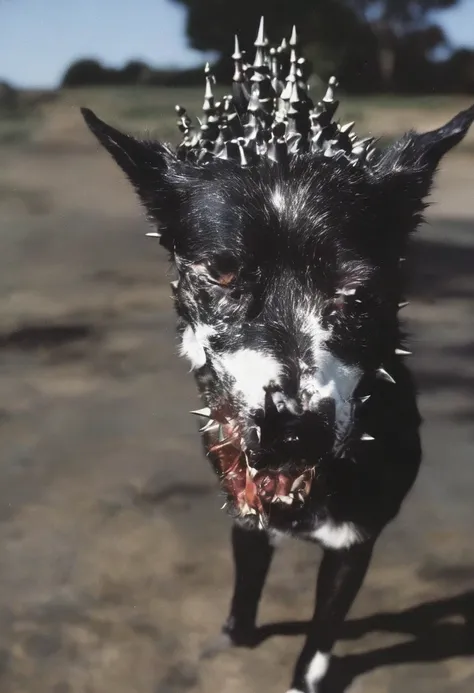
x,y
115,569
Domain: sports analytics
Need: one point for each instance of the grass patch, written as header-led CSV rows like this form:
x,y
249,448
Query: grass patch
x,y
150,110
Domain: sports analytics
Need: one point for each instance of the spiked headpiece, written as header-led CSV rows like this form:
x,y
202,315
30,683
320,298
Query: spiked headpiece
x,y
268,115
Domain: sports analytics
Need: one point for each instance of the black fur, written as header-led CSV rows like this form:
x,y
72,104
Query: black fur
x,y
333,238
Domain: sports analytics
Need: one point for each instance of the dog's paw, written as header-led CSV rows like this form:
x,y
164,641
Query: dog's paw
x,y
228,639
217,645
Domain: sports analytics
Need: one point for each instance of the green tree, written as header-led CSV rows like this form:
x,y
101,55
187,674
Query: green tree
x,y
390,20
334,32
328,26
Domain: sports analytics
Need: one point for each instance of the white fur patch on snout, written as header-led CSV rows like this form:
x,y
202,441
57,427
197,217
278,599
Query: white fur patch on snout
x,y
194,343
330,378
251,372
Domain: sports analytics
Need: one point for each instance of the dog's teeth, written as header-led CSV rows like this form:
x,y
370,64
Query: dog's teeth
x,y
366,436
403,304
205,411
224,506
402,352
382,373
287,500
297,482
364,399
153,234
174,285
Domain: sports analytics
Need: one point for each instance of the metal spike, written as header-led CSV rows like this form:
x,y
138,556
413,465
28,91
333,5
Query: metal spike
x,y
382,373
236,55
293,42
347,128
332,85
366,436
210,427
153,234
205,411
243,159
403,304
402,352
208,94
261,40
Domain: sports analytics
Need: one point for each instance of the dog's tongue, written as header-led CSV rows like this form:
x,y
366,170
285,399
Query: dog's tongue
x,y
252,490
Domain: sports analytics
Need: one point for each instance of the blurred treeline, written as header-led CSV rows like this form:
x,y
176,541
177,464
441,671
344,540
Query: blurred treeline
x,y
372,46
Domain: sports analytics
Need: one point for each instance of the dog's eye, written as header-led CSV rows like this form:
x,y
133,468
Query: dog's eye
x,y
226,280
223,270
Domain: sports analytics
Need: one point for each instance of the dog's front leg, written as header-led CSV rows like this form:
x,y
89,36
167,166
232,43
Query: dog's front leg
x,y
340,577
252,553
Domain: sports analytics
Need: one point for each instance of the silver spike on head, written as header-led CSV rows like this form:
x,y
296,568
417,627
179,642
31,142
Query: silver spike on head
x,y
293,42
240,128
261,40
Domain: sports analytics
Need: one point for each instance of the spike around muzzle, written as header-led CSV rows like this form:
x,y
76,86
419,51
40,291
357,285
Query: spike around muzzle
x,y
269,113
250,491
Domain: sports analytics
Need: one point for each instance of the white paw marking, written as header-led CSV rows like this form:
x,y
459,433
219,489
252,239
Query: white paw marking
x,y
317,670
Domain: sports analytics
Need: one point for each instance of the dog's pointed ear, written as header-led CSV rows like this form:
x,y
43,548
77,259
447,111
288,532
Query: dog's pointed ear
x,y
417,155
148,165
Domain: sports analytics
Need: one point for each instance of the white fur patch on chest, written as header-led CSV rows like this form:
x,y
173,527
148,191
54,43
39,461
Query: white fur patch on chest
x,y
336,536
251,372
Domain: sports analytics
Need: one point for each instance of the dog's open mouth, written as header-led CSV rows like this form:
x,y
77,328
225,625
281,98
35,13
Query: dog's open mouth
x,y
250,490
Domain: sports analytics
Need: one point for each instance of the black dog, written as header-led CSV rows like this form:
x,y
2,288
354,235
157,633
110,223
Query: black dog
x,y
288,234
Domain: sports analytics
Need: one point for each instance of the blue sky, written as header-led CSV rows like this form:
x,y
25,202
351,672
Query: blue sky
x,y
39,38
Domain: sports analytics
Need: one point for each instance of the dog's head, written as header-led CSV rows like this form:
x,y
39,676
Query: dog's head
x,y
289,275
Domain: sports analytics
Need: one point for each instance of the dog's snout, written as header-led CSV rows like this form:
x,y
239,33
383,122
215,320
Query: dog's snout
x,y
294,431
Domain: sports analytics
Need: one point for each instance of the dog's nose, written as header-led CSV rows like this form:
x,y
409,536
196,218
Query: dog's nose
x,y
303,433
